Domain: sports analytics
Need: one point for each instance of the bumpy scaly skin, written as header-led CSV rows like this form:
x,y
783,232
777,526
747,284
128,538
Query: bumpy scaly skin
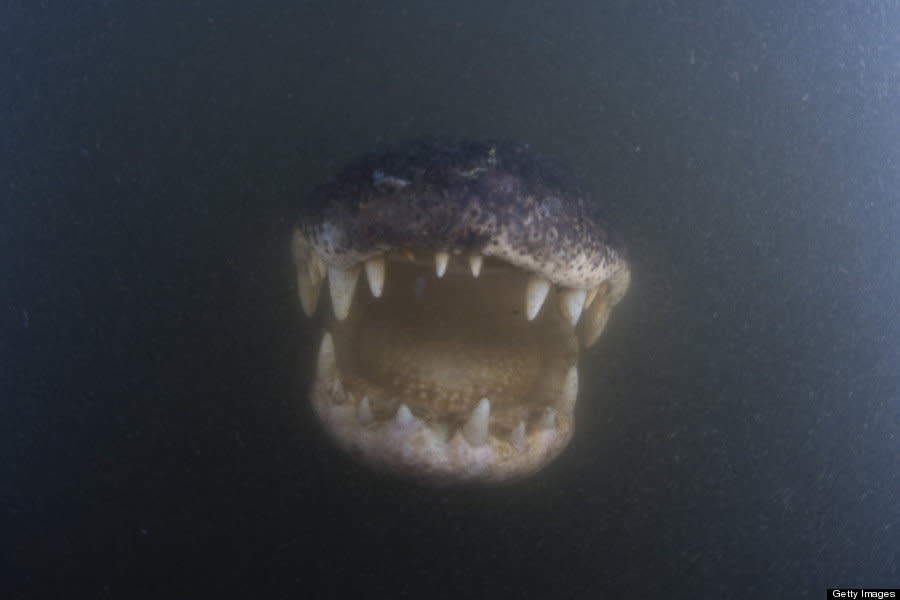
x,y
496,199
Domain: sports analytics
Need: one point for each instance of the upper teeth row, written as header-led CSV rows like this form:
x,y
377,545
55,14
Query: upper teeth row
x,y
342,287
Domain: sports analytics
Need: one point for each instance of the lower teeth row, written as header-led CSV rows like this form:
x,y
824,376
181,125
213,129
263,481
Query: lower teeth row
x,y
476,428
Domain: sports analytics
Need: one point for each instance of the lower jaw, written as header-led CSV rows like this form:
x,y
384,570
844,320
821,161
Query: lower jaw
x,y
410,446
450,414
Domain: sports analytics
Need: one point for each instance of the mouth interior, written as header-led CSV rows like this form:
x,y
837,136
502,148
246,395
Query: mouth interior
x,y
440,345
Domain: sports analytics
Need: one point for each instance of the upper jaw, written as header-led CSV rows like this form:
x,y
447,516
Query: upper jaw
x,y
492,199
315,266
583,257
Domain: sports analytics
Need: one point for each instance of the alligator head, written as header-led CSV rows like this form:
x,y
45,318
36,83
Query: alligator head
x,y
484,266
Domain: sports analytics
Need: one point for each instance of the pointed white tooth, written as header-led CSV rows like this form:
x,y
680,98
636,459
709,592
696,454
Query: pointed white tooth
x,y
375,275
549,419
404,416
476,428
595,320
571,302
535,294
308,285
308,280
342,284
591,294
440,263
312,266
320,265
364,412
337,391
326,367
598,291
475,264
298,245
517,439
569,391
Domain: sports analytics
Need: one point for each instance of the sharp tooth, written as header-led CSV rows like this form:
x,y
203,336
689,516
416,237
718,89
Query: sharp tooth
x,y
320,265
337,391
309,281
375,275
365,411
312,268
535,294
476,428
326,367
342,284
595,321
301,249
517,439
571,302
308,285
440,263
591,294
298,245
475,264
404,416
569,391
549,419
600,291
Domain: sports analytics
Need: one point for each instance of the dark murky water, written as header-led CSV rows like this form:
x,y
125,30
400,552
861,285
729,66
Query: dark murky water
x,y
738,428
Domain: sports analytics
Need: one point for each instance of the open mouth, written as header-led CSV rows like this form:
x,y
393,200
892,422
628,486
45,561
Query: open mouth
x,y
458,363
452,364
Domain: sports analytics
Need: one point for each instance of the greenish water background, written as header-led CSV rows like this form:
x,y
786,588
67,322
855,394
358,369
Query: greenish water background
x,y
738,425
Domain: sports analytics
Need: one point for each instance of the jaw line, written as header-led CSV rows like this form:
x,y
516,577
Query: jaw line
x,y
408,445
393,429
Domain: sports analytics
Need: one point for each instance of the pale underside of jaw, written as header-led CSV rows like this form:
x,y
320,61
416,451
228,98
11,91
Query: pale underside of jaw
x,y
452,367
